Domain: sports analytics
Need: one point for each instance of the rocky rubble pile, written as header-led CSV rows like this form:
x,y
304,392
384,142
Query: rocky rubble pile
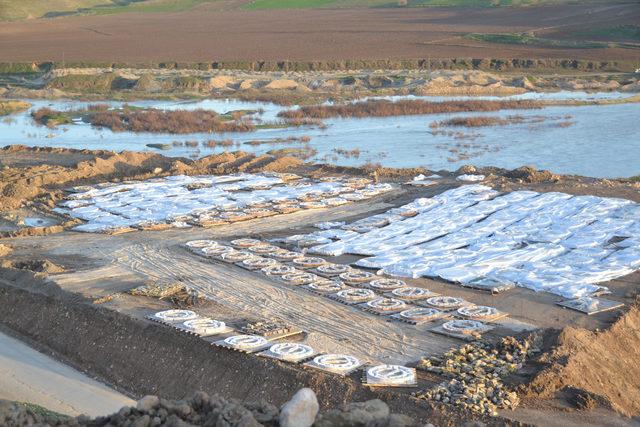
x,y
202,409
477,370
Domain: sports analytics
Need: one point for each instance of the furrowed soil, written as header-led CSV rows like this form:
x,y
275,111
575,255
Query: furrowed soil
x,y
210,34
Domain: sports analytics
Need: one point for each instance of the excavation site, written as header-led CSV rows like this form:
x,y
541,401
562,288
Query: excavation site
x,y
319,213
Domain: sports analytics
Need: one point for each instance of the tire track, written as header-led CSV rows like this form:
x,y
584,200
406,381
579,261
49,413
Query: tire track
x,y
359,333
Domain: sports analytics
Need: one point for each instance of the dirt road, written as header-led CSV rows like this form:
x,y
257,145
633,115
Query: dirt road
x,y
29,376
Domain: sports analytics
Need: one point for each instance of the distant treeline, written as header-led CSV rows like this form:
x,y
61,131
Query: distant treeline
x,y
494,64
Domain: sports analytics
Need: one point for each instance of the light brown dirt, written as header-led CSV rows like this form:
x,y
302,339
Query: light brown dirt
x,y
5,250
600,362
23,180
316,35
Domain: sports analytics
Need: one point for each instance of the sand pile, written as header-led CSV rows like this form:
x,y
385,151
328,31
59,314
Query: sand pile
x,y
601,363
37,266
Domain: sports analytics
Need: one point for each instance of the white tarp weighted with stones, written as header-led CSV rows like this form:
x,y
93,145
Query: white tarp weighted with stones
x,y
176,200
551,242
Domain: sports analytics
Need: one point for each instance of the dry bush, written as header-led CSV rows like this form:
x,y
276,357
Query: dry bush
x,y
159,121
40,115
303,121
384,108
355,153
565,124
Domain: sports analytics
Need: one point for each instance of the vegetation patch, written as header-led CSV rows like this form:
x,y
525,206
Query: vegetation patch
x,y
292,139
303,153
134,119
11,10
530,40
617,32
486,121
12,107
384,108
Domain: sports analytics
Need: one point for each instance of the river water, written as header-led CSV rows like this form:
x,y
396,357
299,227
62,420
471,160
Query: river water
x,y
599,141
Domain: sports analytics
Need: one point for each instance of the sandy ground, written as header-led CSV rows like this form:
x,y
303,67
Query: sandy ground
x,y
209,34
99,265
29,376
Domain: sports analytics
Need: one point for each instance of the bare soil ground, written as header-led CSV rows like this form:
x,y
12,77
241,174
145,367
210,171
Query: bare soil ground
x,y
172,364
209,34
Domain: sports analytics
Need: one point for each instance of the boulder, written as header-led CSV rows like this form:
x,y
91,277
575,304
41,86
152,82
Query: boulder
x,y
147,403
301,410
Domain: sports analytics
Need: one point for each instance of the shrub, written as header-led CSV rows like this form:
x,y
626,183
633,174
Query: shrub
x,y
384,108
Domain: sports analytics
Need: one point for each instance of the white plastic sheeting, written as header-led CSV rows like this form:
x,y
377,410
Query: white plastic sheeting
x,y
551,242
176,198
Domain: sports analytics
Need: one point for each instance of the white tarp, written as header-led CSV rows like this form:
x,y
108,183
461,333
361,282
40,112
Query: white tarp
x,y
108,207
551,242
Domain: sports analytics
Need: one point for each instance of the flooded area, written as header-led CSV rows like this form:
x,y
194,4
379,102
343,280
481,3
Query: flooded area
x,y
595,140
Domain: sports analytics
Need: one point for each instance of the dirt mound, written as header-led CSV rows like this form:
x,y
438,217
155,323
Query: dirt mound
x,y
37,266
467,83
18,185
531,175
603,364
44,182
221,82
5,250
282,84
282,164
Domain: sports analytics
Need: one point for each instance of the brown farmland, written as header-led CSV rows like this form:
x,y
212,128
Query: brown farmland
x,y
208,33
